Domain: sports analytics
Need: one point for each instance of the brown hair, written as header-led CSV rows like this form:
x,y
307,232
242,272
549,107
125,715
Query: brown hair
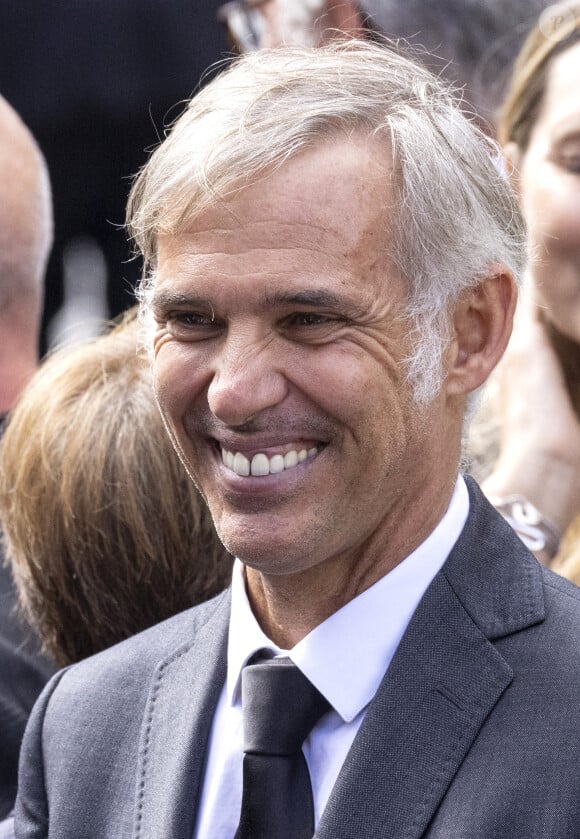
x,y
527,87
105,531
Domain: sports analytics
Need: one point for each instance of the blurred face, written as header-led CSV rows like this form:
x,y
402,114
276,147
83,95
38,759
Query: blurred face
x,y
278,364
271,23
550,190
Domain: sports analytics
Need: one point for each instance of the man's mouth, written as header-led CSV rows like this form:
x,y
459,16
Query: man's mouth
x,y
261,464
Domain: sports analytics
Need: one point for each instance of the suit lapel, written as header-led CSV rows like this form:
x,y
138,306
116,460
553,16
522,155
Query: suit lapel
x,y
441,686
176,726
442,683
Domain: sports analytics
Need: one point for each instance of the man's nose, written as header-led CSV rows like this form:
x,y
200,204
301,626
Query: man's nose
x,y
247,380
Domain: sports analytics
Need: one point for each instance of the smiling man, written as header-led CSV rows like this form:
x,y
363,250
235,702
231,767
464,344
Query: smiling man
x,y
279,355
331,264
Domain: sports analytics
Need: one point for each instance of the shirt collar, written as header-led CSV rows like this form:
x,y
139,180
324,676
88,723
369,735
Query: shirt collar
x,y
348,654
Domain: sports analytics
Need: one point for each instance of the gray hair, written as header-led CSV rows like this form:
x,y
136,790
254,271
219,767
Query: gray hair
x,y
455,213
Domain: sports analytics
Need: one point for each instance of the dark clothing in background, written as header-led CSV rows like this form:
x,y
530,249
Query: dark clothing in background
x,y
23,674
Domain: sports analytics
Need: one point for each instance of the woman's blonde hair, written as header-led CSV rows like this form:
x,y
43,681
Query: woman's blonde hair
x,y
105,531
550,37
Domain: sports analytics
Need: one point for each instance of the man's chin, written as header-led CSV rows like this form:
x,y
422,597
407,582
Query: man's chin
x,y
266,556
268,551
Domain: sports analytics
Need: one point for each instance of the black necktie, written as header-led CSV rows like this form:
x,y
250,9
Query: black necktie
x,y
280,708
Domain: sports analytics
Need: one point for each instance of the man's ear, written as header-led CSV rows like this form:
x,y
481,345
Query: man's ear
x,y
482,325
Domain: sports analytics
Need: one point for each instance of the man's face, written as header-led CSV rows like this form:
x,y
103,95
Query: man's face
x,y
278,363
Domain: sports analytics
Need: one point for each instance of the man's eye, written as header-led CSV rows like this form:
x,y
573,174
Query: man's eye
x,y
192,319
191,326
308,319
312,327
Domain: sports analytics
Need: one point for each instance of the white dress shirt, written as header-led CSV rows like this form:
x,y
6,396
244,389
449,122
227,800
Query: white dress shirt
x,y
346,657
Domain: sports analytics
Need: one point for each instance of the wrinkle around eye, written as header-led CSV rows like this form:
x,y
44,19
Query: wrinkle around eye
x,y
313,329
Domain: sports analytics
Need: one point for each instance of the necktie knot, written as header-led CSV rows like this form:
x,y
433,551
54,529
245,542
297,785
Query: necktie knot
x,y
281,706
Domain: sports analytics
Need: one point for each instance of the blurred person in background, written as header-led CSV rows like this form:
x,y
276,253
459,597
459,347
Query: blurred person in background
x,y
25,239
105,533
527,437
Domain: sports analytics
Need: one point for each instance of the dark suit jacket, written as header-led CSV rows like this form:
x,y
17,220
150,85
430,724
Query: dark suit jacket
x,y
473,733
23,674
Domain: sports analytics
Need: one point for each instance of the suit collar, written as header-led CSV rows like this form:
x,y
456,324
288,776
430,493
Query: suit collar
x,y
493,574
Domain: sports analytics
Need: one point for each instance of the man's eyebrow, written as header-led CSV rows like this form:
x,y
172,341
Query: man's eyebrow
x,y
317,298
167,299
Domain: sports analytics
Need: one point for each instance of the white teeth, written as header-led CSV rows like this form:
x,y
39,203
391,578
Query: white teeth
x,y
262,465
276,464
241,465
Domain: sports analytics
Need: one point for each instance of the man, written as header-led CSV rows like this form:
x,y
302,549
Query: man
x,y
331,256
25,236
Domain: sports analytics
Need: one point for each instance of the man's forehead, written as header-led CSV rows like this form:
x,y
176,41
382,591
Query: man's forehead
x,y
326,196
